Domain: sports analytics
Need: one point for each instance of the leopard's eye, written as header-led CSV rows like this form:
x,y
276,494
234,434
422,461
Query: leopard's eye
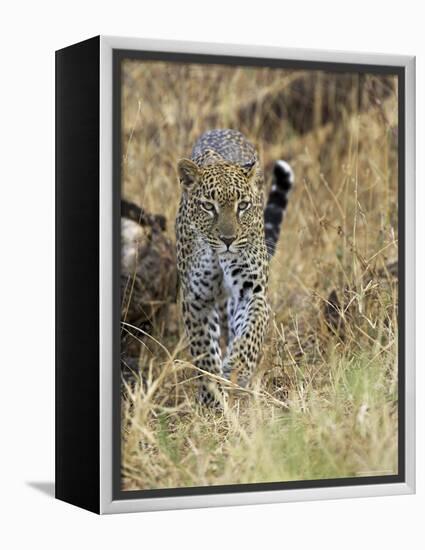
x,y
243,205
208,206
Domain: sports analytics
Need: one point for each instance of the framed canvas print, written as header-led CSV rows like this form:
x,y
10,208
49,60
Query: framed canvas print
x,y
234,274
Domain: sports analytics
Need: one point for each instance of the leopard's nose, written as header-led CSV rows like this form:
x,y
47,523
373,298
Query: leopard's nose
x,y
227,239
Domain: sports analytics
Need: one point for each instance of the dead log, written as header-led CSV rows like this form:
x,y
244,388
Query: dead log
x,y
148,277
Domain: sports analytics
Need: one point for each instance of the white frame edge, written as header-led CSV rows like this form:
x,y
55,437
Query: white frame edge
x,y
107,504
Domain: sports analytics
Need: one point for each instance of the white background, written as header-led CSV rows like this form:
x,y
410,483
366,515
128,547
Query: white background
x,y
30,32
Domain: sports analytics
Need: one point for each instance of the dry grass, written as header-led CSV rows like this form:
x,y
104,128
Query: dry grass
x,y
324,402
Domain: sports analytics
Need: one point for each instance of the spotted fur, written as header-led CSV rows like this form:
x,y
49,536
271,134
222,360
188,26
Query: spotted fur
x,y
222,257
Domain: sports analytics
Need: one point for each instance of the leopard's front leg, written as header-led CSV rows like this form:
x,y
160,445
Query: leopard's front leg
x,y
246,279
249,325
203,329
201,286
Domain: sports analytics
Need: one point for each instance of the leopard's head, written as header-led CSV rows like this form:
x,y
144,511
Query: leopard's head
x,y
224,203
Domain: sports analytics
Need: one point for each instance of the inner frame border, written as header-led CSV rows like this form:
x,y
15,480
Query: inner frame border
x,y
118,57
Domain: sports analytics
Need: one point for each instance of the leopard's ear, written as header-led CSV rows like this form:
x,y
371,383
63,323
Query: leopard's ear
x,y
187,172
250,168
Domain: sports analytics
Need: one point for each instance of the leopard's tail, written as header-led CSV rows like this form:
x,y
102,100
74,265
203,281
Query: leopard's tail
x,y
283,180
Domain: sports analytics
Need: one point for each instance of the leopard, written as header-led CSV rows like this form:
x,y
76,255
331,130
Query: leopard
x,y
226,236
